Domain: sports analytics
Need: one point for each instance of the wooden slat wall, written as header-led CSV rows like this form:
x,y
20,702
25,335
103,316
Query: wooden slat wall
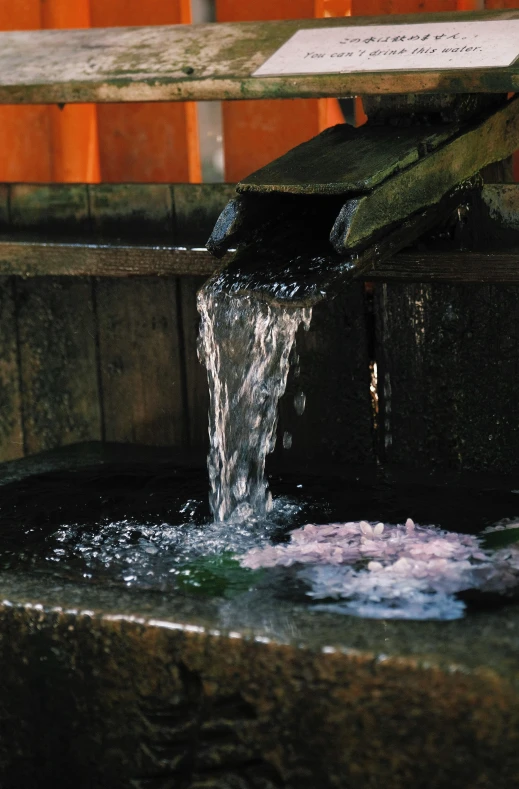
x,y
11,427
333,373
58,364
141,372
109,358
85,359
447,360
89,360
448,365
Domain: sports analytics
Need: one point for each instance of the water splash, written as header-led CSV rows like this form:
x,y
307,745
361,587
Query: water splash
x,y
245,345
152,554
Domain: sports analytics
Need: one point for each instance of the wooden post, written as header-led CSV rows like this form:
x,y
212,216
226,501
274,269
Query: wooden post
x,y
492,5
255,132
24,131
146,142
74,147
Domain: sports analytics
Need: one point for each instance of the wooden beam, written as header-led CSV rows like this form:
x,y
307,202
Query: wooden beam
x,y
37,259
494,267
41,258
204,62
127,230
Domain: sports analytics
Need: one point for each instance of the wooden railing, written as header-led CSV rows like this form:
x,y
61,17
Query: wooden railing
x,y
158,142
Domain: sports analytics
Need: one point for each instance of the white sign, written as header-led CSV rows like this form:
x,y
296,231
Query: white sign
x,y
438,45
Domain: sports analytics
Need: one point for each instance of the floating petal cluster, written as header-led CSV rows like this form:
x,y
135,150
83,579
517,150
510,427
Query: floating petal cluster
x,y
390,571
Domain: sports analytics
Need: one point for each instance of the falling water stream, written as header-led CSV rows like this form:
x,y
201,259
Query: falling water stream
x,y
245,345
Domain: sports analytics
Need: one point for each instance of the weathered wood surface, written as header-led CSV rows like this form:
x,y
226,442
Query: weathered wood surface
x,y
158,230
152,389
50,209
36,259
11,422
109,359
196,208
140,361
343,159
497,267
332,372
502,202
448,354
135,212
196,388
40,258
204,62
58,362
428,180
179,214
108,229
448,363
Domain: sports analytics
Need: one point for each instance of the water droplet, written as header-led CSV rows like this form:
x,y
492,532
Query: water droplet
x,y
300,403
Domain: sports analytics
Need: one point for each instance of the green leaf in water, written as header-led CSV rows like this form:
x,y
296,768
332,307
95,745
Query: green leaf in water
x,y
499,539
216,576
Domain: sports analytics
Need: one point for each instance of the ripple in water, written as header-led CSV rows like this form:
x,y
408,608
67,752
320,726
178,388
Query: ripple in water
x,y
153,554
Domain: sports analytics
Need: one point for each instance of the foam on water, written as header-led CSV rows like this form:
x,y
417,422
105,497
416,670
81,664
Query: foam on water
x,y
151,554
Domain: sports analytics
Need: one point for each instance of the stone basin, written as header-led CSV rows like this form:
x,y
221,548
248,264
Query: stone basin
x,y
108,686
